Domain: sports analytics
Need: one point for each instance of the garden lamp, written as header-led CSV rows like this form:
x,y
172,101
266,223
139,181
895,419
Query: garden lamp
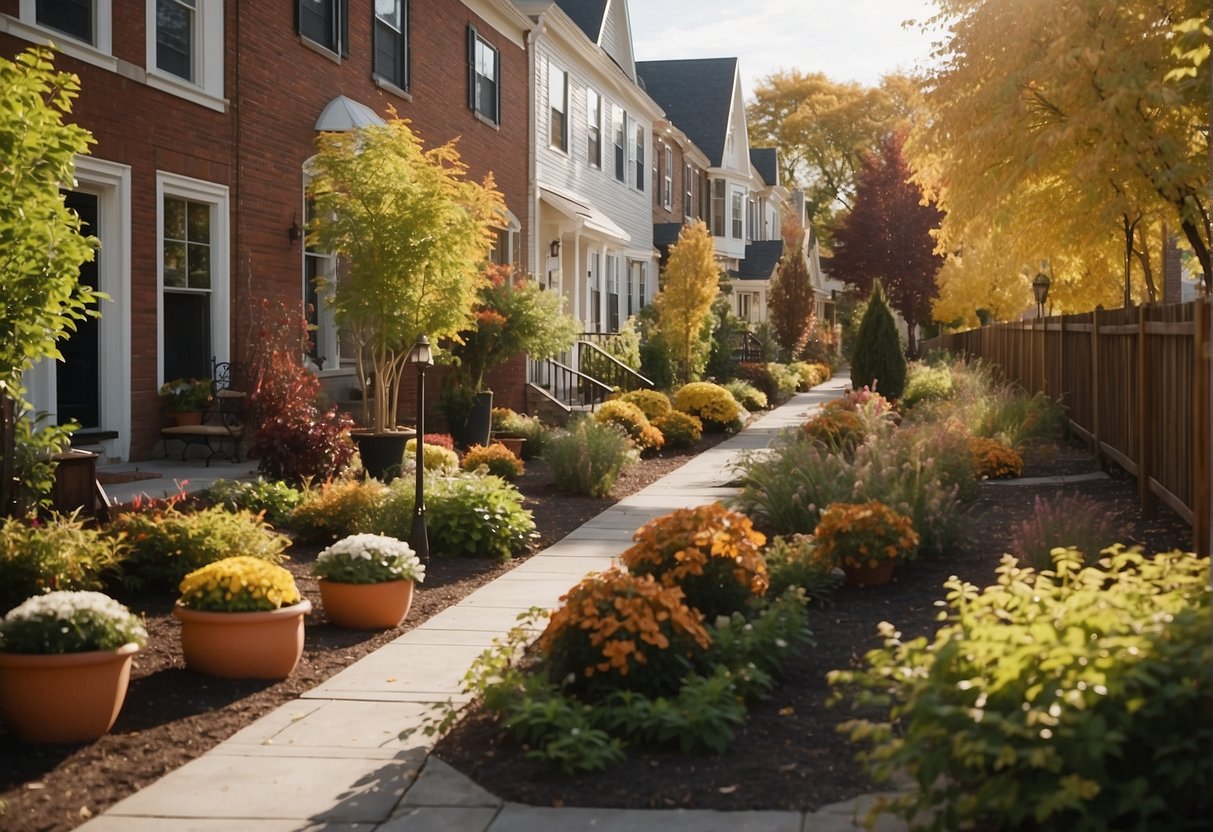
x,y
1040,288
419,540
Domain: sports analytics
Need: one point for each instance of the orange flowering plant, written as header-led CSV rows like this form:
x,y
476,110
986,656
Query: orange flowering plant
x,y
836,428
620,630
713,554
863,534
994,460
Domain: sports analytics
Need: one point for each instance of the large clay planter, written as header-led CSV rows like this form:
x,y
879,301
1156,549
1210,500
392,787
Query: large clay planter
x,y
243,645
66,697
861,576
513,444
379,606
188,417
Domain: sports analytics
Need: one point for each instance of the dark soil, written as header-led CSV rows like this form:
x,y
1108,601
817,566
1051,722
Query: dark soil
x,y
172,715
787,756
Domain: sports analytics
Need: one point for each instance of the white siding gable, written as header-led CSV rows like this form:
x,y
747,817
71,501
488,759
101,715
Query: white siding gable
x,y
616,38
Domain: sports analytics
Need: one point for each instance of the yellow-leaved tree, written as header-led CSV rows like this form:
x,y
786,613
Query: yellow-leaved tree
x,y
689,284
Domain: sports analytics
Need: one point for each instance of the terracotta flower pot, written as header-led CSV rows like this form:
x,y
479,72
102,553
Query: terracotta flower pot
x,y
378,606
243,645
188,417
513,444
861,576
66,697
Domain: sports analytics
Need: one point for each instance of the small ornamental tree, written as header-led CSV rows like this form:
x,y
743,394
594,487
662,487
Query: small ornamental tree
x,y
414,232
877,358
41,247
791,303
689,285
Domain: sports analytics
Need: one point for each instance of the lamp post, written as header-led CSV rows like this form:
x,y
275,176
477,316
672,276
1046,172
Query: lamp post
x,y
1040,288
419,540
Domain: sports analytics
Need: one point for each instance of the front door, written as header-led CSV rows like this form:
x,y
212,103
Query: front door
x,y
76,377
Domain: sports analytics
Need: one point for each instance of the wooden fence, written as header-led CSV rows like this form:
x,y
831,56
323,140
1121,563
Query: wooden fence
x,y
1135,384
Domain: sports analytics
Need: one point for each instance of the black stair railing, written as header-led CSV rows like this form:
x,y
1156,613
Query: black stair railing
x,y
597,363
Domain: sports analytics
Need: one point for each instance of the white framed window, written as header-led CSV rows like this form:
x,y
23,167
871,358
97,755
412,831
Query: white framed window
x,y
194,313
640,272
736,215
593,119
612,321
594,290
745,305
185,50
319,275
688,191
621,162
558,108
81,28
392,42
718,206
667,183
325,23
504,248
484,68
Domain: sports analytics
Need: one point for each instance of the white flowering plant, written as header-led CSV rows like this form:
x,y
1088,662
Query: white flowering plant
x,y
369,559
69,622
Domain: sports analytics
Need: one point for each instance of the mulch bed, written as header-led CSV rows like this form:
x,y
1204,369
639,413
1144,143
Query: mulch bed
x,y
788,756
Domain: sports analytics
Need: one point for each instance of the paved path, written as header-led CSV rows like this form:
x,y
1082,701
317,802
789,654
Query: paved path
x,y
332,759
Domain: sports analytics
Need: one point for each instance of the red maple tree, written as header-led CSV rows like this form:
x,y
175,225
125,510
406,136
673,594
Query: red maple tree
x,y
886,236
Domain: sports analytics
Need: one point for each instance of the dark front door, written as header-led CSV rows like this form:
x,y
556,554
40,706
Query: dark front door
x,y
76,377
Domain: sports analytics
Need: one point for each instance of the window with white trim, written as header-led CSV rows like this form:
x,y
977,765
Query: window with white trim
x,y
738,218
319,275
176,37
612,293
638,274
718,206
688,191
558,108
745,305
185,49
392,42
593,118
639,183
484,63
594,293
87,22
194,281
667,184
325,23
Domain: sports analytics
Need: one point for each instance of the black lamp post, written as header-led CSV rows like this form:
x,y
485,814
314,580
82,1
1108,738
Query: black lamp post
x,y
1040,288
419,540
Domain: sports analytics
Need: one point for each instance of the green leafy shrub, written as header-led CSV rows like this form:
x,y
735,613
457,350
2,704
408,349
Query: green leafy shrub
x,y
477,515
276,499
681,430
876,359
34,448
795,561
653,403
433,457
1015,417
587,458
498,459
926,383
57,554
746,394
620,630
1073,520
69,622
633,422
709,552
758,647
777,381
166,544
810,374
786,488
341,508
714,406
529,428
1067,699
840,431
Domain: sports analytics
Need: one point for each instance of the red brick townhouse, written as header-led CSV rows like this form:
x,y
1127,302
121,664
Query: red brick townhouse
x,y
205,113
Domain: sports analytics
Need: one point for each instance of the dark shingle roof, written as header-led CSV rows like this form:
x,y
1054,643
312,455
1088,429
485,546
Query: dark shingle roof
x,y
764,159
696,96
587,14
761,258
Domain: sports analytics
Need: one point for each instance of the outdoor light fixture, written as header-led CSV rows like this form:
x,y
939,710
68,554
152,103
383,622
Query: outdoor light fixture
x,y
1040,288
554,248
419,540
294,232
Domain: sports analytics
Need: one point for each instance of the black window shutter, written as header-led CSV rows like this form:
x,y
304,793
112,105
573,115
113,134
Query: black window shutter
x,y
472,67
343,16
298,17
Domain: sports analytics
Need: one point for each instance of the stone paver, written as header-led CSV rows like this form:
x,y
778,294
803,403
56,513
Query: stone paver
x,y
333,759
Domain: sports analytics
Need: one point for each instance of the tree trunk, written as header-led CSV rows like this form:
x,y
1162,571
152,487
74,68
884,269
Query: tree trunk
x,y
1202,252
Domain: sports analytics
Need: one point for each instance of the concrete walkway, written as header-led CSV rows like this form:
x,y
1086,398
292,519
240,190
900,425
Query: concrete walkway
x,y
332,759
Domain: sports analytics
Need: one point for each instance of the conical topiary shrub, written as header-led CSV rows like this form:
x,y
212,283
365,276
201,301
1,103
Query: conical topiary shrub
x,y
877,358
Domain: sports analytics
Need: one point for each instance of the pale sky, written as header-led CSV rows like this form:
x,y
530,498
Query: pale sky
x,y
848,40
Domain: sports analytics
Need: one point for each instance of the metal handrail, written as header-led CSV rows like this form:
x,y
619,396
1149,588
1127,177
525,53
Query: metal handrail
x,y
750,349
568,386
617,374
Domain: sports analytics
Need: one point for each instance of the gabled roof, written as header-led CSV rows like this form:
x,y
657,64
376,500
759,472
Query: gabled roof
x,y
587,14
761,258
766,163
697,96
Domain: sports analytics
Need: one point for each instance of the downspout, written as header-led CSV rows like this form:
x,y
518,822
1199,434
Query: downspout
x,y
532,166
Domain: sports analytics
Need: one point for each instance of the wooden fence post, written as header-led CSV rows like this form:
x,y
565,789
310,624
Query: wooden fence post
x,y
1096,404
1202,440
1144,494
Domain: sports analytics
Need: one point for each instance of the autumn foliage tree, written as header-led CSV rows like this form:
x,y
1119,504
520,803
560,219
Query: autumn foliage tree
x,y
689,285
790,306
887,236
